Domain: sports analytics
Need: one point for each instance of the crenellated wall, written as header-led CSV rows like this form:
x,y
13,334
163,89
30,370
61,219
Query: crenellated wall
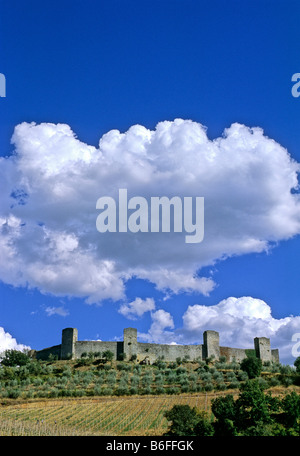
x,y
71,348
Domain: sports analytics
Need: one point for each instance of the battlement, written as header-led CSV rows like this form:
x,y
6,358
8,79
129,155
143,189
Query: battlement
x,y
72,348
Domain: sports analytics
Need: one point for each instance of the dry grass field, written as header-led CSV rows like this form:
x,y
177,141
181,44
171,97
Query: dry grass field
x,y
115,416
109,416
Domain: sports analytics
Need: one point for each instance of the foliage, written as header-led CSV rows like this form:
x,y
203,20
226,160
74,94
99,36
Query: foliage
x,y
252,366
183,420
253,413
15,358
108,355
297,364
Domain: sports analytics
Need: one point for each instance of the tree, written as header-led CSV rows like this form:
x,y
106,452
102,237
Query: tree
x,y
252,405
203,428
252,366
255,413
291,407
187,421
15,358
184,420
224,409
108,355
297,364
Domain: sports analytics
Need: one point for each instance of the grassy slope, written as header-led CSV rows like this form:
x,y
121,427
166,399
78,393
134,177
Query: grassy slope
x,y
102,415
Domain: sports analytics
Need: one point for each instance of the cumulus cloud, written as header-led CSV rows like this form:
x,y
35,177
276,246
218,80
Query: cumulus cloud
x,y
49,189
7,342
157,333
239,321
137,308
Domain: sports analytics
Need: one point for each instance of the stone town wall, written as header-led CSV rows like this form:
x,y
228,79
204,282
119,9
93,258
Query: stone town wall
x,y
237,354
97,346
46,352
169,352
72,348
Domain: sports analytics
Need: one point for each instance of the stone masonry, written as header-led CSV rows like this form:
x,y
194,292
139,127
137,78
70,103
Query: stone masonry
x,y
72,348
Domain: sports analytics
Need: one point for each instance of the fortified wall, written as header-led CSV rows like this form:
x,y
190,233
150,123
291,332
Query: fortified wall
x,y
72,348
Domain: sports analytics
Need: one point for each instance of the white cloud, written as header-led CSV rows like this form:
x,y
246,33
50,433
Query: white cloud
x,y
157,332
239,321
7,342
61,311
137,308
50,186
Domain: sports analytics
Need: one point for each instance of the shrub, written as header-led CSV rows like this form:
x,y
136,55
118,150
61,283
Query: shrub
x,y
234,384
133,390
230,376
122,390
107,391
274,381
206,377
108,355
186,421
160,390
15,358
183,420
285,369
285,380
208,386
173,390
123,367
221,386
252,366
121,356
291,408
181,370
14,393
297,364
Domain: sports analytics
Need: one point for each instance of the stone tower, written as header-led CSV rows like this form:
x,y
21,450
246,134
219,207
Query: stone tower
x,y
69,337
263,348
130,346
211,345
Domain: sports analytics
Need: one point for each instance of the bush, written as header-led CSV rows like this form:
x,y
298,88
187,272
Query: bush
x,y
133,390
285,380
14,393
183,420
274,381
291,408
208,386
187,421
221,386
108,355
297,364
107,391
121,356
234,384
15,358
173,390
160,390
252,366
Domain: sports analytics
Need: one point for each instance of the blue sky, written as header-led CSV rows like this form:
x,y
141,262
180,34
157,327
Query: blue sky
x,y
99,66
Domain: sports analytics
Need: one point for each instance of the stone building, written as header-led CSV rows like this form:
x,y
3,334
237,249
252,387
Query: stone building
x,y
72,348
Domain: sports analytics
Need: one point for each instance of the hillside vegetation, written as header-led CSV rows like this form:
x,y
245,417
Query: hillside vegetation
x,y
100,396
